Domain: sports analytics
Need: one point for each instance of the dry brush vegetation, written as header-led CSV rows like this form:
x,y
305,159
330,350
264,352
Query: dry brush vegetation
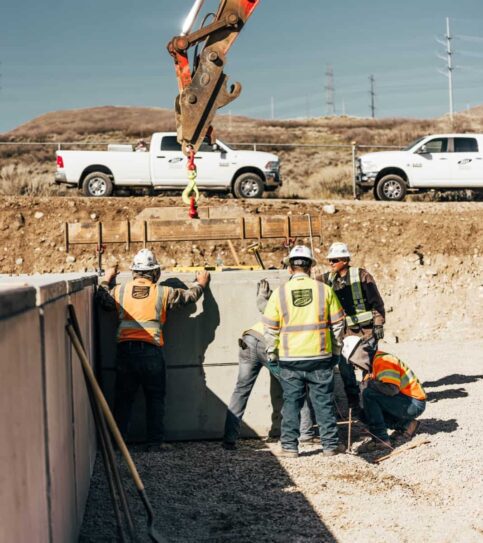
x,y
307,172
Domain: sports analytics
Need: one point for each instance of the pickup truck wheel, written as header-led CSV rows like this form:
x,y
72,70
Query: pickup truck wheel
x,y
248,185
391,188
97,184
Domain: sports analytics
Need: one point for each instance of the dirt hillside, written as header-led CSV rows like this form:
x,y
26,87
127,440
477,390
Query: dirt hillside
x,y
426,257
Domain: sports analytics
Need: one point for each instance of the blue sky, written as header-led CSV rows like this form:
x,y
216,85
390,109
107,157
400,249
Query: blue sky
x,y
63,54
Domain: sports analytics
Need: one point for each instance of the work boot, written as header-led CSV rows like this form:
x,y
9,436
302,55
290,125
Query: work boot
x,y
340,449
411,429
229,445
373,445
309,440
287,453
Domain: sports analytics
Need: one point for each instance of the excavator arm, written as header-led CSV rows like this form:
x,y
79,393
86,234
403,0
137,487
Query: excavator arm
x,y
203,87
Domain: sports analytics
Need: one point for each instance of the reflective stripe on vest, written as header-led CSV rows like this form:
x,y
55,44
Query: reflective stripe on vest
x,y
361,315
141,319
311,338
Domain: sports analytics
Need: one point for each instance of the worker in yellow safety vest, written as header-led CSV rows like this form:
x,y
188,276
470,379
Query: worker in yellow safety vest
x,y
392,395
252,356
142,306
363,305
303,328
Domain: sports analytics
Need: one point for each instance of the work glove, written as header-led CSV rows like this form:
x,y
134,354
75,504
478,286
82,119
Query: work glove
x,y
378,331
263,289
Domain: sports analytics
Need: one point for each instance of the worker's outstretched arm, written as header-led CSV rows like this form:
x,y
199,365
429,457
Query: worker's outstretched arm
x,y
104,295
178,296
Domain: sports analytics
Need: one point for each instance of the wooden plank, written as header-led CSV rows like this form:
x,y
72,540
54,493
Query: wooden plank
x,y
250,227
114,232
203,229
82,232
300,227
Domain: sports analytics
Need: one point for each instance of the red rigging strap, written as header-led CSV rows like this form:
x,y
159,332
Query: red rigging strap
x,y
203,88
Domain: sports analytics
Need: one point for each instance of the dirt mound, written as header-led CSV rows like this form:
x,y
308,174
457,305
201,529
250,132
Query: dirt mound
x,y
427,258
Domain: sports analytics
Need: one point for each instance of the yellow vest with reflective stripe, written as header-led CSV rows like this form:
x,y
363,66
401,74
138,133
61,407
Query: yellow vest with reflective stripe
x,y
361,315
302,310
258,328
141,307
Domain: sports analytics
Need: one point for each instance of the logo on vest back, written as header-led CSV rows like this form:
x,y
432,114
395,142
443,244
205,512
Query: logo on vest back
x,y
301,298
139,293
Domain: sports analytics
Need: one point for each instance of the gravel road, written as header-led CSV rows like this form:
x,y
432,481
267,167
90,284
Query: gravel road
x,y
432,493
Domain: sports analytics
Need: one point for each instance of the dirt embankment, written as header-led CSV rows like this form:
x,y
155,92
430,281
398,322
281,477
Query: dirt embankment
x,y
426,257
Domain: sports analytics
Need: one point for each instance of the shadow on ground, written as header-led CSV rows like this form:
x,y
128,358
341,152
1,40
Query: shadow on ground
x,y
453,379
200,492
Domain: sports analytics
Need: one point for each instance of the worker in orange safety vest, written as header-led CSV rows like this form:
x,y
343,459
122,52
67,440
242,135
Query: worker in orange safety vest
x,y
142,306
392,395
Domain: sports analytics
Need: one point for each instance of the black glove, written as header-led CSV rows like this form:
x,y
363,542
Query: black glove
x,y
378,331
263,289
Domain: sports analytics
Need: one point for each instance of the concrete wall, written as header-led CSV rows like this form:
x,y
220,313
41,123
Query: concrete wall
x,y
47,440
202,359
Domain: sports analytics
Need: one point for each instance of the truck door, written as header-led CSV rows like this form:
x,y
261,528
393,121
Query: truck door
x,y
467,163
168,163
432,164
214,167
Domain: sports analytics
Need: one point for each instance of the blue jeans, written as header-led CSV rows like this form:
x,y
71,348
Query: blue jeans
x,y
348,376
251,360
139,363
320,385
394,412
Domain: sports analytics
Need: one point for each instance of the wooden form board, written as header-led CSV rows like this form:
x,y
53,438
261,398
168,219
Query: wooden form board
x,y
251,227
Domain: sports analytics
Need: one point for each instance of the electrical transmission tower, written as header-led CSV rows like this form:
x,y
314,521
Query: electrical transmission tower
x,y
373,97
448,71
329,91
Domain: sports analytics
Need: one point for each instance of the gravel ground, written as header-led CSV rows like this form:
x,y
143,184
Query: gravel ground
x,y
432,493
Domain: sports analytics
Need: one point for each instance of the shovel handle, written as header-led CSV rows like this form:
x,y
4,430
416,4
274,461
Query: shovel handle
x,y
105,407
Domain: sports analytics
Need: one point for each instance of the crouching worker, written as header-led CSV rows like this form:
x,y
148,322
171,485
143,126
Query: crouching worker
x,y
252,357
142,306
392,396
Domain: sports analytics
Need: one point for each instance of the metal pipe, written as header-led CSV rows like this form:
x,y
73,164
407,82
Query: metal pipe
x,y
191,18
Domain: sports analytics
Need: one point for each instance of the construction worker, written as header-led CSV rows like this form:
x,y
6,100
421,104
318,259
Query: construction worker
x,y
363,305
303,329
142,307
392,395
252,357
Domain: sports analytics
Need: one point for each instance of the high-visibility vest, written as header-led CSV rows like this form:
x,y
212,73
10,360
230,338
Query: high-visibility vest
x,y
387,368
141,307
303,310
360,315
256,330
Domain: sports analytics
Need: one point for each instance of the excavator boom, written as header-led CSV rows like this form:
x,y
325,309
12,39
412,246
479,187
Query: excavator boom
x,y
203,88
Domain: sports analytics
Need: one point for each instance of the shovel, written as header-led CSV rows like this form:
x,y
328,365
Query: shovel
x,y
99,396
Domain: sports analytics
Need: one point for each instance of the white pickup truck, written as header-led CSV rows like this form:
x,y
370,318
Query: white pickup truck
x,y
247,174
439,162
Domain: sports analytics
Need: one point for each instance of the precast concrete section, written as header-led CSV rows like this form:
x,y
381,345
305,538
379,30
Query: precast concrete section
x,y
202,358
47,439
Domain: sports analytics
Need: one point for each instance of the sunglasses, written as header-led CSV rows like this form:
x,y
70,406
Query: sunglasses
x,y
335,260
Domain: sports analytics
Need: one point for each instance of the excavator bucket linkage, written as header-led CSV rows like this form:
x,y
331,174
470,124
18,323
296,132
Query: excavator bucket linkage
x,y
203,88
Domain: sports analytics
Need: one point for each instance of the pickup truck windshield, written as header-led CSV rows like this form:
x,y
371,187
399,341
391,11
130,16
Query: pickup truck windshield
x,y
412,144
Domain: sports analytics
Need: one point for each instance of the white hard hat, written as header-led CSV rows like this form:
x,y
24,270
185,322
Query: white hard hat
x,y
338,250
145,261
349,345
300,251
